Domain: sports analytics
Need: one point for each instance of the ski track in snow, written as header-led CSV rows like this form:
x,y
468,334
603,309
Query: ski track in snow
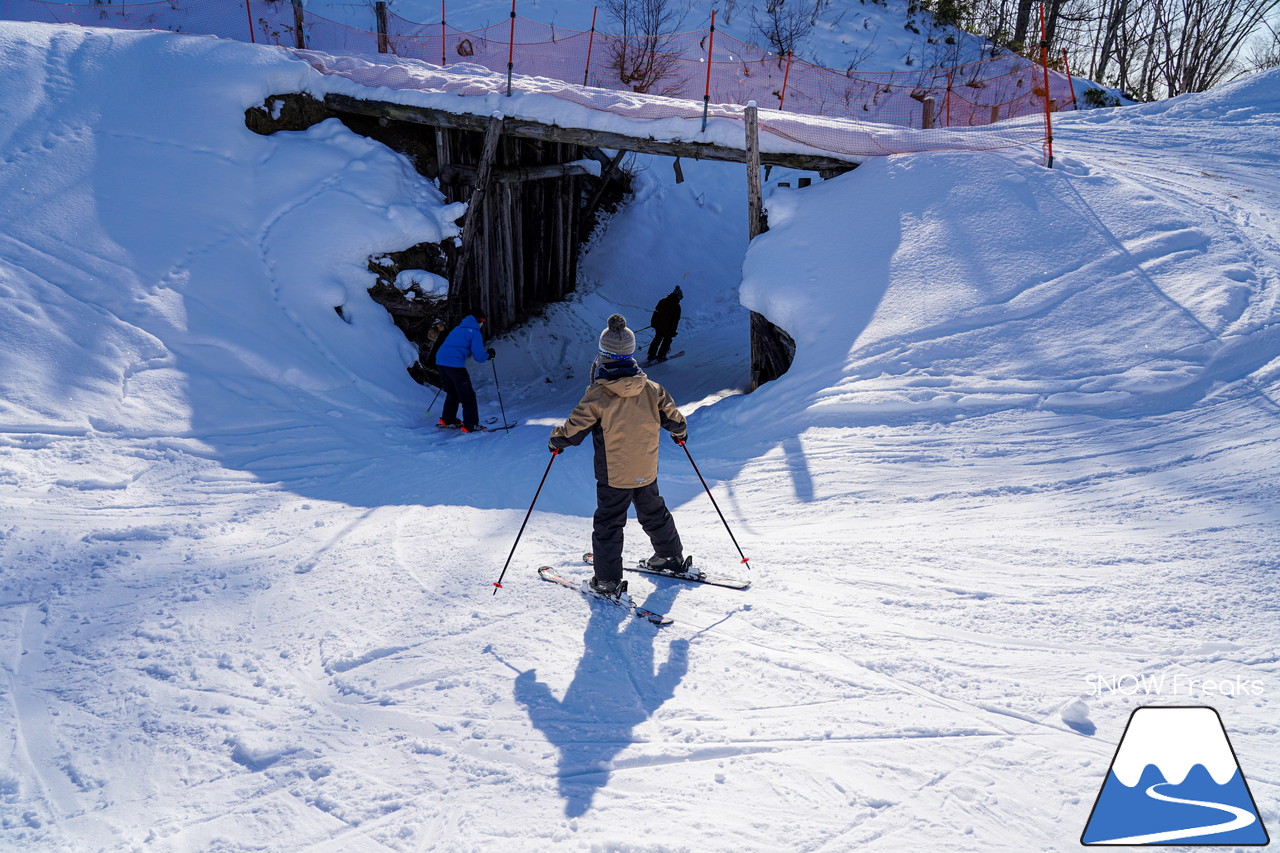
x,y
272,627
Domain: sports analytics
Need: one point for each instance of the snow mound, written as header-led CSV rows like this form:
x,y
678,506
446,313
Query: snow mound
x,y
169,270
947,283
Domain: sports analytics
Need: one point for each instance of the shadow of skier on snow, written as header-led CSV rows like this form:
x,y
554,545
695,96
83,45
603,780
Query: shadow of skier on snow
x,y
616,688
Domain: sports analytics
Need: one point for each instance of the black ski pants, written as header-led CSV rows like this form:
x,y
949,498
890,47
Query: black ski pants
x,y
456,383
611,518
661,345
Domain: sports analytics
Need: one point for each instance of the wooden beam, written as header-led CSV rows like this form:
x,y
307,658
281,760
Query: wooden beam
x,y
455,174
471,222
589,212
582,136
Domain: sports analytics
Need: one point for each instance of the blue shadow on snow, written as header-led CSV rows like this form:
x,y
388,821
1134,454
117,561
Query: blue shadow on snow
x,y
615,688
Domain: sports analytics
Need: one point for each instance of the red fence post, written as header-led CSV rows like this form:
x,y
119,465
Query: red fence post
x,y
443,59
511,47
1066,64
706,99
947,101
786,74
591,41
1044,62
249,12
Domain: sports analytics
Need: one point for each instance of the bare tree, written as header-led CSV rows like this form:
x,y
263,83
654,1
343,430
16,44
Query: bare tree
x,y
783,24
1159,48
644,56
1265,52
1202,39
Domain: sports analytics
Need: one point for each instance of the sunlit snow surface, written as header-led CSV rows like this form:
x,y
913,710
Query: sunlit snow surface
x,y
1028,447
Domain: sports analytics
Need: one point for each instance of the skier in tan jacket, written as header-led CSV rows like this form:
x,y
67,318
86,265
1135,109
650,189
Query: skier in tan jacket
x,y
623,410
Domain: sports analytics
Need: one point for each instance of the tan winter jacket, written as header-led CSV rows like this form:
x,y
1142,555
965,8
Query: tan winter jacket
x,y
623,417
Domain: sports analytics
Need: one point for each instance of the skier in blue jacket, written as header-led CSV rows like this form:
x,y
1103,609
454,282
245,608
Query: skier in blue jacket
x,y
465,340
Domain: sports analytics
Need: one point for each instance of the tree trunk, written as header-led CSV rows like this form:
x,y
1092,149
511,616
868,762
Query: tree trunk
x,y
1022,23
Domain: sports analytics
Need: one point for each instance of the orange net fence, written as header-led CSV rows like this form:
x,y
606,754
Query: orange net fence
x,y
949,108
675,66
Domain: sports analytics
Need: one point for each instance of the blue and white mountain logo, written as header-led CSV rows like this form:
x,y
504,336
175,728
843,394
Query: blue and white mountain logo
x,y
1175,780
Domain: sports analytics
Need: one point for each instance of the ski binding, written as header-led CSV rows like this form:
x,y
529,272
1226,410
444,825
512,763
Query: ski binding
x,y
690,574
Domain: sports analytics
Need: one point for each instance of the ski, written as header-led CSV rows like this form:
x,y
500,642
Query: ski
x,y
690,574
480,427
549,574
483,428
654,361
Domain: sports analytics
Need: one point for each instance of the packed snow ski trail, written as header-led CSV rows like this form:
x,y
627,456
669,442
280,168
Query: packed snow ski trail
x,y
246,599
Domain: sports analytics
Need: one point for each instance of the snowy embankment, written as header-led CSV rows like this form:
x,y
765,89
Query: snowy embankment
x,y
1028,448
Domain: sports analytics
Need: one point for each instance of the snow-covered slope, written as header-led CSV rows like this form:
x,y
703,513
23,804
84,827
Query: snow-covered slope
x,y
976,282
1024,462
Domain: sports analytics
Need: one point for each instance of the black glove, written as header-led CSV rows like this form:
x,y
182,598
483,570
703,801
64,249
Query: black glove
x,y
551,445
679,437
490,352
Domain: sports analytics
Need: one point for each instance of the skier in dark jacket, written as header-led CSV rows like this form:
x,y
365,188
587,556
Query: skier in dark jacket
x,y
451,360
425,368
622,411
665,323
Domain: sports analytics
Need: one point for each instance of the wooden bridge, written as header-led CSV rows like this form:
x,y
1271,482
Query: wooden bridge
x,y
530,200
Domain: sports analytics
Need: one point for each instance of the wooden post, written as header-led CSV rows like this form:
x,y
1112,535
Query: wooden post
x,y
471,222
927,117
249,10
995,113
380,13
772,349
442,152
299,36
590,210
755,200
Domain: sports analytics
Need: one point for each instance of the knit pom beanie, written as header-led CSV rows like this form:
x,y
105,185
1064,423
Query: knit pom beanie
x,y
617,339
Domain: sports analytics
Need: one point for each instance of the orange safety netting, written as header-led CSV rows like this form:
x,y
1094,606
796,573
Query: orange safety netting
x,y
968,95
696,66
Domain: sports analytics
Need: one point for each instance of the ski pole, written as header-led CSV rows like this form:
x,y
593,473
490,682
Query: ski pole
x,y
433,401
497,585
498,388
744,557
